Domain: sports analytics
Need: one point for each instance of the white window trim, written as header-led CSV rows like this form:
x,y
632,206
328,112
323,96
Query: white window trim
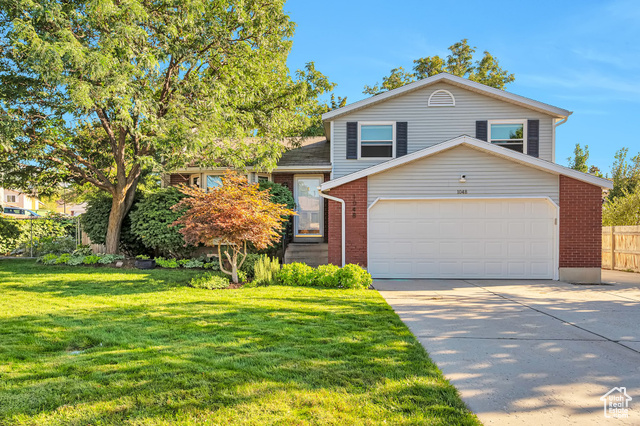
x,y
453,99
12,199
321,208
509,121
393,139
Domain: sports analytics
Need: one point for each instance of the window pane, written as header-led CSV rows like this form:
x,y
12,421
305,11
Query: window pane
x,y
506,131
376,151
214,181
514,146
376,132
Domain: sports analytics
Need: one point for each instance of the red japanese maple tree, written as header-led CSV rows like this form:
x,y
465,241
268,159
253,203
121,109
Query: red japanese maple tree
x,y
233,214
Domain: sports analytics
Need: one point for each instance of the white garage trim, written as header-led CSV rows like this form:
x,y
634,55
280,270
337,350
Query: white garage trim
x,y
556,242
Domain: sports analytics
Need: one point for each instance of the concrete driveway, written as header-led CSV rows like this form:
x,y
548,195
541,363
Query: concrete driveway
x,y
529,352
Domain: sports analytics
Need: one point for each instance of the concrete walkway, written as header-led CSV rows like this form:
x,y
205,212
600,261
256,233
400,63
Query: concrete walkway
x,y
529,352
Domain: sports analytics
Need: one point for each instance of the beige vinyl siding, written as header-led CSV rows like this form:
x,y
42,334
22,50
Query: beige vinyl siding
x,y
428,126
486,174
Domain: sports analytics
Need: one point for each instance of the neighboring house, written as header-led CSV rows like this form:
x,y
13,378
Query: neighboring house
x,y
70,209
443,178
11,198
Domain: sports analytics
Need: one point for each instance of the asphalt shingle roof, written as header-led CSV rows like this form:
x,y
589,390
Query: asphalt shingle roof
x,y
313,152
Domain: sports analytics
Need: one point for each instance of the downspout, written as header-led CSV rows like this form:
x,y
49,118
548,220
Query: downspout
x,y
553,137
329,197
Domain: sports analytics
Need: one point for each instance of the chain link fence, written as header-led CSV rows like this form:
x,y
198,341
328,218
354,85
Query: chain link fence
x,y
33,237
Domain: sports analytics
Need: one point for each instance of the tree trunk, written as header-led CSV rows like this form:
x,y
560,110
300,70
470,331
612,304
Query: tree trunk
x,y
234,274
120,206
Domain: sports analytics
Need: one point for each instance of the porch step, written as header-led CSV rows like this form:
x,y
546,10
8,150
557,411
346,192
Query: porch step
x,y
313,254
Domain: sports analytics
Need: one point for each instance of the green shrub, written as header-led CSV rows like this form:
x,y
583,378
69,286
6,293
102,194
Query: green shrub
x,y
91,260
142,257
49,259
166,263
96,219
106,259
9,235
151,221
242,277
63,259
210,282
249,264
75,260
41,236
353,276
327,276
191,263
56,245
213,264
296,274
83,250
279,194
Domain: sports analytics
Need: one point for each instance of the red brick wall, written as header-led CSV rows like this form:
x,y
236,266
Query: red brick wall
x,y
580,224
286,179
176,179
355,196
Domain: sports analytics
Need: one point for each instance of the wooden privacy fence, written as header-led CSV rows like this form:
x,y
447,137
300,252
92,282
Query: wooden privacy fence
x,y
96,248
621,248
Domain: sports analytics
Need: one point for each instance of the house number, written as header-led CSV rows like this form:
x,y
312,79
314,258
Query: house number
x,y
462,191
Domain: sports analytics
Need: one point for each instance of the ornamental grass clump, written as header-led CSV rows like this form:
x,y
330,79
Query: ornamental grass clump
x,y
265,270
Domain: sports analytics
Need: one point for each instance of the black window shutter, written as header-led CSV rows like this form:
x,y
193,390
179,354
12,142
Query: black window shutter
x,y
352,140
533,137
481,130
401,138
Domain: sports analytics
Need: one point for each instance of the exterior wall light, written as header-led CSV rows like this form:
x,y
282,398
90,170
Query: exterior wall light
x,y
463,178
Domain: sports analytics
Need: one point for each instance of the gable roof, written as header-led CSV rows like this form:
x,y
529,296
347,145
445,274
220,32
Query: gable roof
x,y
456,81
470,142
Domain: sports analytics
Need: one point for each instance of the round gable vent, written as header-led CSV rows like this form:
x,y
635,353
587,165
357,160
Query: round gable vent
x,y
442,98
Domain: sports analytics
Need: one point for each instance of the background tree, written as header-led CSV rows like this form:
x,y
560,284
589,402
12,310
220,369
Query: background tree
x,y
459,62
234,214
101,92
625,174
580,158
623,210
95,222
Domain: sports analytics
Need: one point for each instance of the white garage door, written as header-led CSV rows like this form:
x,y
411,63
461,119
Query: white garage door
x,y
496,238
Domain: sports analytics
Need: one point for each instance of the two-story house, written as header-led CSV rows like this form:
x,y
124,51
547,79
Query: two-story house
x,y
12,198
442,178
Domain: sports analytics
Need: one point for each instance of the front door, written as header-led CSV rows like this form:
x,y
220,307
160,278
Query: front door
x,y
308,223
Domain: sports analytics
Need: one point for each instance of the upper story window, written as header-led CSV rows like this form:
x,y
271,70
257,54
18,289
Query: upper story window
x,y
510,134
11,198
376,140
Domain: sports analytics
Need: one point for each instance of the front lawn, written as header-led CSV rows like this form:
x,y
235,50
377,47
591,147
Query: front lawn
x,y
107,346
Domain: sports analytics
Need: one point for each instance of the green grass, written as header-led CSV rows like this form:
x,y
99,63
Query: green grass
x,y
104,346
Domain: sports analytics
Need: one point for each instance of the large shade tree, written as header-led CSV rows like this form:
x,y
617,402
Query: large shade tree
x,y
103,91
459,62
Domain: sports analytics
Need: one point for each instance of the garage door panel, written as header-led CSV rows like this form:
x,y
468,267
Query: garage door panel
x,y
462,239
428,249
402,228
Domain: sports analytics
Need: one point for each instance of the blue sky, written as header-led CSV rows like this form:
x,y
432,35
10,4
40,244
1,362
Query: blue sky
x,y
583,56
